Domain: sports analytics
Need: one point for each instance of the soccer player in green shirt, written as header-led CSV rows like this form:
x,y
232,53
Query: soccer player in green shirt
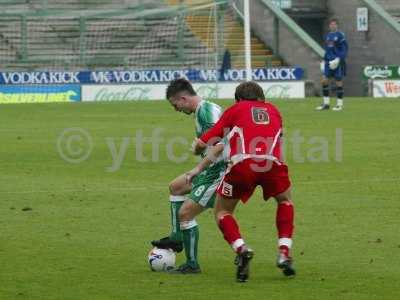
x,y
189,198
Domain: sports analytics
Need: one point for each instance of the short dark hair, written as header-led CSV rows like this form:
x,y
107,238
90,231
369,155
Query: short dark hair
x,y
334,20
249,90
180,85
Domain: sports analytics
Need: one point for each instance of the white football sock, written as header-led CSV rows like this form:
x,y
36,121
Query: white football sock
x,y
285,242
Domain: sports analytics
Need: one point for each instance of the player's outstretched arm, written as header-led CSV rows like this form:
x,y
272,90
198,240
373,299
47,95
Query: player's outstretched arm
x,y
211,157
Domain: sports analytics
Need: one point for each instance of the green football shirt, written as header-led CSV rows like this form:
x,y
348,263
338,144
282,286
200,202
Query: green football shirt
x,y
206,115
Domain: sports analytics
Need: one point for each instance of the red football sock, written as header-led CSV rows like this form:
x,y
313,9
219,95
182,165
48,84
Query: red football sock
x,y
230,229
284,219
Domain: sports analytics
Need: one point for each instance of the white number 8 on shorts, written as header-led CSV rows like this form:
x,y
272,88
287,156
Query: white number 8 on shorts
x,y
199,191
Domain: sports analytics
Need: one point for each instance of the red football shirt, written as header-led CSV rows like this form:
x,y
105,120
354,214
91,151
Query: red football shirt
x,y
253,129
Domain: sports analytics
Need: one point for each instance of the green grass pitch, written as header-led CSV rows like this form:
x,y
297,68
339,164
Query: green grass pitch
x,y
82,230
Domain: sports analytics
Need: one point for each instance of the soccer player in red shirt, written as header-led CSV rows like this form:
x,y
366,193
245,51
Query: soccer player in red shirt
x,y
253,128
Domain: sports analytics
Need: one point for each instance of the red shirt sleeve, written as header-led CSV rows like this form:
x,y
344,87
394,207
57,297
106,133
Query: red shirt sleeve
x,y
220,129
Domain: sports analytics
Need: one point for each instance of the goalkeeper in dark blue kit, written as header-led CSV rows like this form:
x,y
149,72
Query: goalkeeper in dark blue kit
x,y
334,65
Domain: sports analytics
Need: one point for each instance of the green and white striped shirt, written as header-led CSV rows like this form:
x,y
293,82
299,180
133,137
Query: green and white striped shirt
x,y
206,115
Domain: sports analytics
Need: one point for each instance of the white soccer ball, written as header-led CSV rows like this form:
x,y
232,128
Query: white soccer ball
x,y
161,259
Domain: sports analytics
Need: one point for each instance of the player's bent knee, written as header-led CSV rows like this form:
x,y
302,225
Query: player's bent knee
x,y
171,189
286,196
221,208
174,189
178,186
220,215
219,212
173,186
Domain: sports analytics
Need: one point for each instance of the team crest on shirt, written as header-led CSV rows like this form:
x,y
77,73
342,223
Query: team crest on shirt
x,y
227,189
260,115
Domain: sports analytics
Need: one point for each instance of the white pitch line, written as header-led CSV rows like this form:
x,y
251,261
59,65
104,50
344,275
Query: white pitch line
x,y
165,187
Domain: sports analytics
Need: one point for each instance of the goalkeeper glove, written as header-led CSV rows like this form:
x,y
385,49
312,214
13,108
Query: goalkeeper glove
x,y
333,64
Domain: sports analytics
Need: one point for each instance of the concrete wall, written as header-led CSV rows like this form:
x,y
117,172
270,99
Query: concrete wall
x,y
390,4
309,4
381,45
314,27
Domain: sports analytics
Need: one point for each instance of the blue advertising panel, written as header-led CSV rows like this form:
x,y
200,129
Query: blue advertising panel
x,y
148,76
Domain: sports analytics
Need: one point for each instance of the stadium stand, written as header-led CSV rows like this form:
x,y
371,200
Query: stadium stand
x,y
71,34
233,37
49,5
119,42
64,41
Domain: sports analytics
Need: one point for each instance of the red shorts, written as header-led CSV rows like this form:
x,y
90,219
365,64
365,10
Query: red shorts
x,y
244,177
